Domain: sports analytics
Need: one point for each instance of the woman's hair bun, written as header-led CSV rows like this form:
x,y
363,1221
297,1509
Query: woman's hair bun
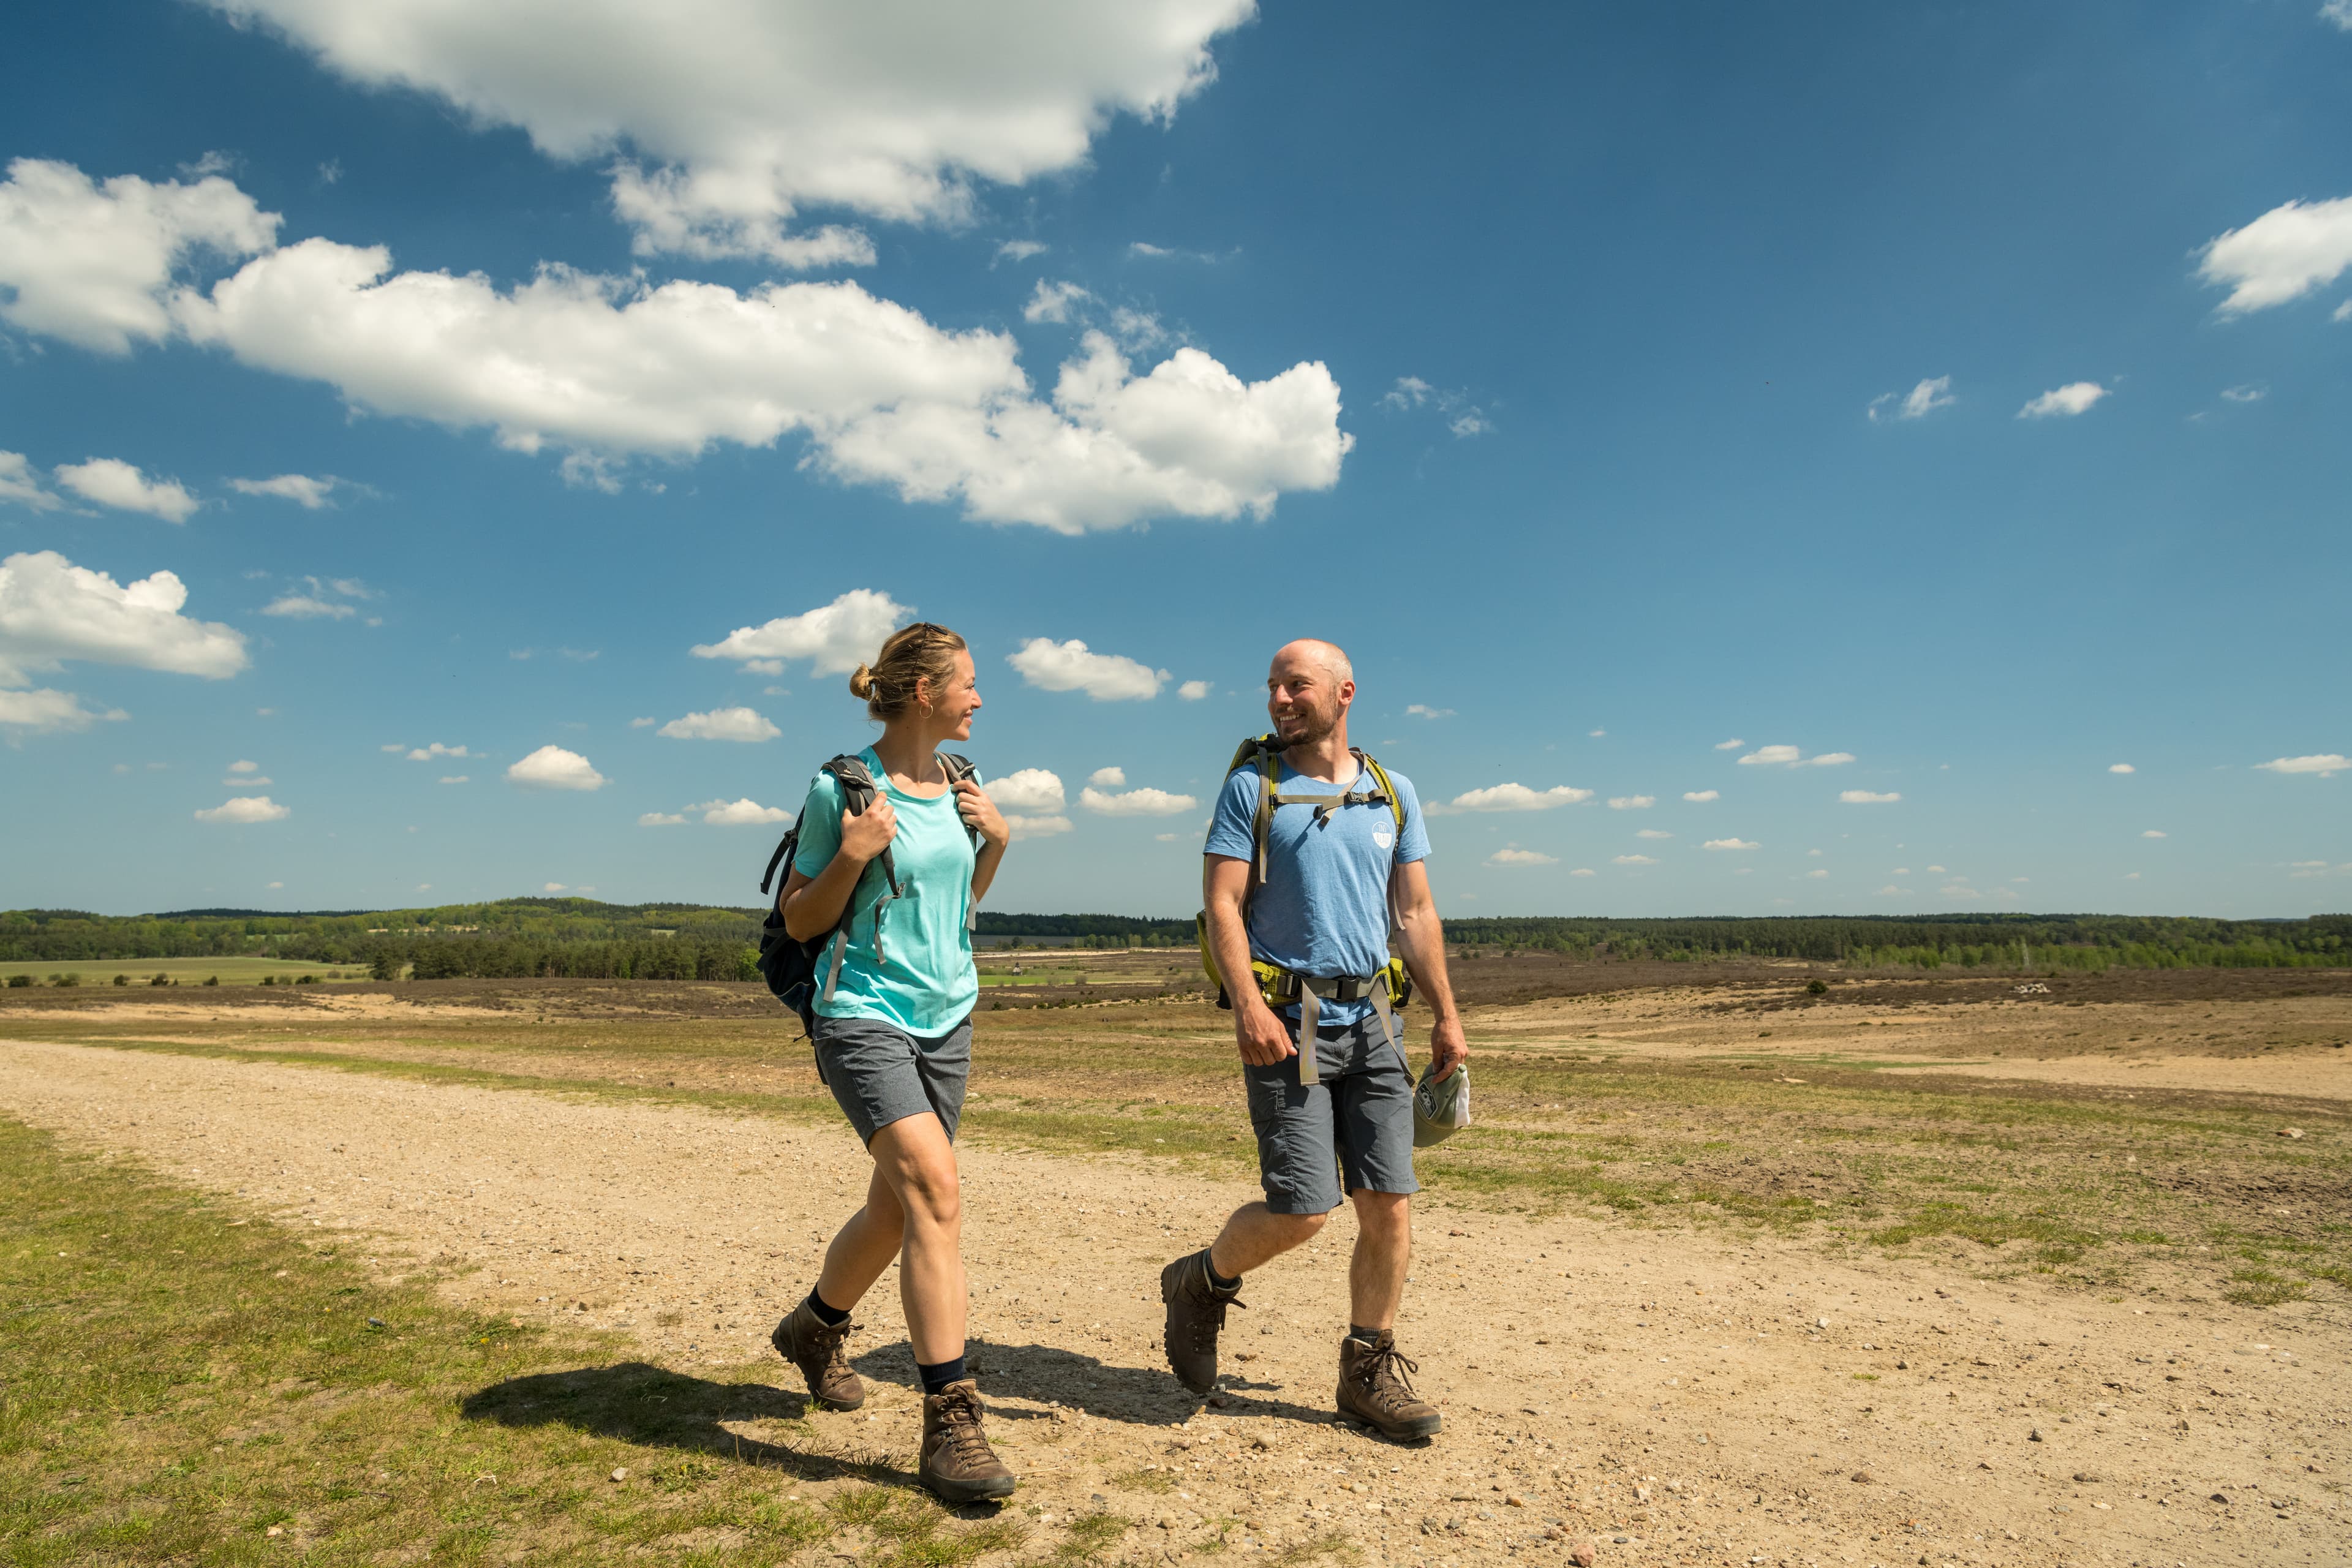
x,y
861,682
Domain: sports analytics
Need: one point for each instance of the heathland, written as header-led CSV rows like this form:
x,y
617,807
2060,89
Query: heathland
x,y
2024,1260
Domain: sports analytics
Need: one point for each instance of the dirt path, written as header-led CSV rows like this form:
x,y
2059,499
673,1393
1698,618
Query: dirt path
x,y
1683,1397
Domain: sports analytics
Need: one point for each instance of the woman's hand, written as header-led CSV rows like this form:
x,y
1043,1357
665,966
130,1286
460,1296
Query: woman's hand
x,y
867,834
980,813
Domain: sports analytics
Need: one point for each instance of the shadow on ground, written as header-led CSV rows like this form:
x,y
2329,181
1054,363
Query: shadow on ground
x,y
1135,1396
637,1403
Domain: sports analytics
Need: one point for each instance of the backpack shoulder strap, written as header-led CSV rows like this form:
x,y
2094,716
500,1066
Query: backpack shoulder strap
x,y
1388,790
858,791
1263,753
957,768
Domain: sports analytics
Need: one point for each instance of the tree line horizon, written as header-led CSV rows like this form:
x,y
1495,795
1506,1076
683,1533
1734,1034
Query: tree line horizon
x,y
589,938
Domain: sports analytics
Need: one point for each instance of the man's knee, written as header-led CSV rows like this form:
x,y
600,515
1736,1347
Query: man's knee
x,y
1386,1211
1297,1229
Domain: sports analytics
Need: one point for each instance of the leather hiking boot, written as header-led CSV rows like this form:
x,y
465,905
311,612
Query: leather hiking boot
x,y
1374,1391
1196,1312
957,1465
811,1344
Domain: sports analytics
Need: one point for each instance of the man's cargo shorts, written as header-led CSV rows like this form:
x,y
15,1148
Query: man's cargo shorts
x,y
879,1073
1351,1132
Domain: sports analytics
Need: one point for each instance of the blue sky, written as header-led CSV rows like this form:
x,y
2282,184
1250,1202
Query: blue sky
x,y
1659,403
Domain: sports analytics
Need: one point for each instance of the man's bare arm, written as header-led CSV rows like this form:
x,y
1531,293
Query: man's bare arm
x,y
1262,1036
1421,938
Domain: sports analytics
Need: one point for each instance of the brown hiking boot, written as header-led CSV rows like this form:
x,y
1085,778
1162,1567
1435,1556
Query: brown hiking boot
x,y
957,1465
1374,1390
811,1344
1196,1312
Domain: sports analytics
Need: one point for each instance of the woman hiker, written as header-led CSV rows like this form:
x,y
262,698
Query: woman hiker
x,y
893,1037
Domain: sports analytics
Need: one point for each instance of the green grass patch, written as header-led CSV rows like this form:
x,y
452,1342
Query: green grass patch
x,y
2261,1288
177,1388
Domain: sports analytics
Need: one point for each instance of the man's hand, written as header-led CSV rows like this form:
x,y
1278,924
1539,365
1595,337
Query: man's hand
x,y
1447,1049
980,813
869,832
1259,1030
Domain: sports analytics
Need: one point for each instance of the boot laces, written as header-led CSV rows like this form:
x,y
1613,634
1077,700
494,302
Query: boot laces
x,y
831,1340
960,1425
1383,1373
1209,1324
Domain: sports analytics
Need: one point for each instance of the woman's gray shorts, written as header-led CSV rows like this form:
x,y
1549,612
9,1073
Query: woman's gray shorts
x,y
1352,1131
879,1073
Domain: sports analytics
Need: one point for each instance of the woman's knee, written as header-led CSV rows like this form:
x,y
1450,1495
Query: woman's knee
x,y
930,1192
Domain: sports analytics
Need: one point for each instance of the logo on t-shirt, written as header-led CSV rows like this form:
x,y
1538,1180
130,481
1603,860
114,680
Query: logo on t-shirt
x,y
1383,838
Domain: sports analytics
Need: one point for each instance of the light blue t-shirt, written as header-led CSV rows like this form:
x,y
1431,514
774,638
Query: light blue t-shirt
x,y
1324,910
923,979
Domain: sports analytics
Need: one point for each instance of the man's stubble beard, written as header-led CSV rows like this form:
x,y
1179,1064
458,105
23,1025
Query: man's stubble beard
x,y
1313,728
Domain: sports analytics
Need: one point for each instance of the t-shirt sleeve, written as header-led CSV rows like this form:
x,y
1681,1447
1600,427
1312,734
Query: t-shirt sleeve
x,y
820,826
1412,839
1233,831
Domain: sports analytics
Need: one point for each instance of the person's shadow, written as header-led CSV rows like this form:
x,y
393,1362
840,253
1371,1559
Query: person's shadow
x,y
637,1403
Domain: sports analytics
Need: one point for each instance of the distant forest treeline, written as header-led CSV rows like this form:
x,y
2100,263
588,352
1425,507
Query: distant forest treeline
x,y
584,938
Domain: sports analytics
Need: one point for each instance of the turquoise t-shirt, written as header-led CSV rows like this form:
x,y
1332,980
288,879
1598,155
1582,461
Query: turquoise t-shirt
x,y
922,980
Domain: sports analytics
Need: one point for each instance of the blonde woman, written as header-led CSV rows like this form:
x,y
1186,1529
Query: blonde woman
x,y
893,1035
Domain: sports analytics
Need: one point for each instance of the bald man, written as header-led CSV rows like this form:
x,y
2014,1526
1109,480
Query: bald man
x,y
1337,1123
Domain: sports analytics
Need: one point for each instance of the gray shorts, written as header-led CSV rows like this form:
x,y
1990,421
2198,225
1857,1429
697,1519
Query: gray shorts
x,y
1351,1132
879,1073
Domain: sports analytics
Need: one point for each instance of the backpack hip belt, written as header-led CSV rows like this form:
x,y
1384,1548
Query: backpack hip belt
x,y
1387,990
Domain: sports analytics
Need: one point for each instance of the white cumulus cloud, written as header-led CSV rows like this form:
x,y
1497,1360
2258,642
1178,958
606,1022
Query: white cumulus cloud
x,y
1791,757
2325,764
1029,791
1512,797
43,709
721,123
1922,400
52,610
836,639
1050,303
1633,861
2121,768
245,767
1108,778
308,607
1136,803
110,481
1702,795
1194,690
245,808
21,485
1652,833
2289,251
91,264
553,767
1516,856
660,819
1070,666
427,753
1584,871
2063,402
309,493
1869,797
2154,833
610,368
1731,745
742,812
721,724
1038,826
1730,844
1631,802
1424,711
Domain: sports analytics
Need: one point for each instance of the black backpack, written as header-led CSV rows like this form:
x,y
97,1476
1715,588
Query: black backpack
x,y
790,965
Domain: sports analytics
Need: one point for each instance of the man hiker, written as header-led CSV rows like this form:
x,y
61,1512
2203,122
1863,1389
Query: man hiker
x,y
1298,918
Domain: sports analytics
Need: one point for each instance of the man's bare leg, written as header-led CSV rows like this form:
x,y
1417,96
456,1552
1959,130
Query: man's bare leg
x,y
1384,1255
1254,1236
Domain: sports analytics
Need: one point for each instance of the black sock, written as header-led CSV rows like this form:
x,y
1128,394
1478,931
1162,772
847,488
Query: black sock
x,y
1370,1336
940,1375
831,1316
1217,1281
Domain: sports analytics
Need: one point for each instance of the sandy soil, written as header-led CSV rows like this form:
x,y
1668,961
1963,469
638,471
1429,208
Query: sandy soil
x,y
1679,1397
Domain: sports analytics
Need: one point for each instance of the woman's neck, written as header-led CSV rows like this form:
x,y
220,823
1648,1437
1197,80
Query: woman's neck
x,y
908,749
